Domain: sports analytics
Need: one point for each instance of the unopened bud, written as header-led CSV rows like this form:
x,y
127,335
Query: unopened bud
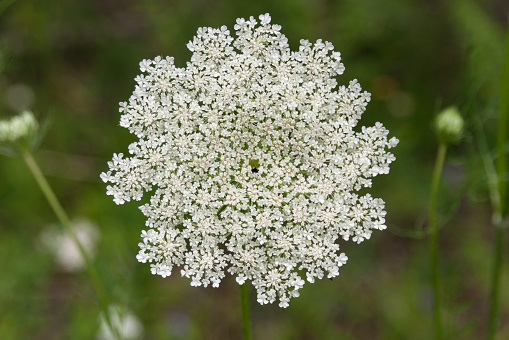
x,y
449,125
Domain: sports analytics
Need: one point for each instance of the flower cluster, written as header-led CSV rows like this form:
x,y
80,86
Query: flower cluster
x,y
252,161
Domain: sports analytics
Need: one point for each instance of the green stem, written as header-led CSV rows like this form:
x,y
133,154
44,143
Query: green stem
x,y
501,161
64,220
432,219
498,255
500,209
244,302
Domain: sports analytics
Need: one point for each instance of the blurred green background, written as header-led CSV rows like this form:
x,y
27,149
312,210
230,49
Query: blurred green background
x,y
72,61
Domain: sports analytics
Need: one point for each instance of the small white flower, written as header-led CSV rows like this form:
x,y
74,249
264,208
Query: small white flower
x,y
253,160
125,323
65,250
264,19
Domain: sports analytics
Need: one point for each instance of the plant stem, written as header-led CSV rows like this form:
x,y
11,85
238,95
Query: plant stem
x,y
244,302
500,209
432,219
64,220
498,255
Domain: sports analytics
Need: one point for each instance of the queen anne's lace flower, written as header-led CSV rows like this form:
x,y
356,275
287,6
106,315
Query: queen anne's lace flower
x,y
251,159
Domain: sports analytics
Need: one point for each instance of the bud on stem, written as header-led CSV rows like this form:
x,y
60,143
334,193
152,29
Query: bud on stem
x,y
449,125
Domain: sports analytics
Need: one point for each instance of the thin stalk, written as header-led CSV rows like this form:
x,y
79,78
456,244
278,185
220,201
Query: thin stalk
x,y
64,220
433,240
500,210
244,303
498,256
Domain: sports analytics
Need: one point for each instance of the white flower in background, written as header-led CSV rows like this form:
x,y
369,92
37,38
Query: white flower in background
x,y
65,250
252,159
20,133
19,97
18,127
126,324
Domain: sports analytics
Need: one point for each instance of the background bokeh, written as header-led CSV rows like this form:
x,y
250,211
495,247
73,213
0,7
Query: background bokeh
x,y
72,61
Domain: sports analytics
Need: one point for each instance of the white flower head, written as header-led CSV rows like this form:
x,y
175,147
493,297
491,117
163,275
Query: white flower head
x,y
17,127
252,159
20,133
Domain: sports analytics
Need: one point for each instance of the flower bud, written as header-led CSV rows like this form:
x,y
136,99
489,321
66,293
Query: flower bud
x,y
449,125
19,131
17,127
